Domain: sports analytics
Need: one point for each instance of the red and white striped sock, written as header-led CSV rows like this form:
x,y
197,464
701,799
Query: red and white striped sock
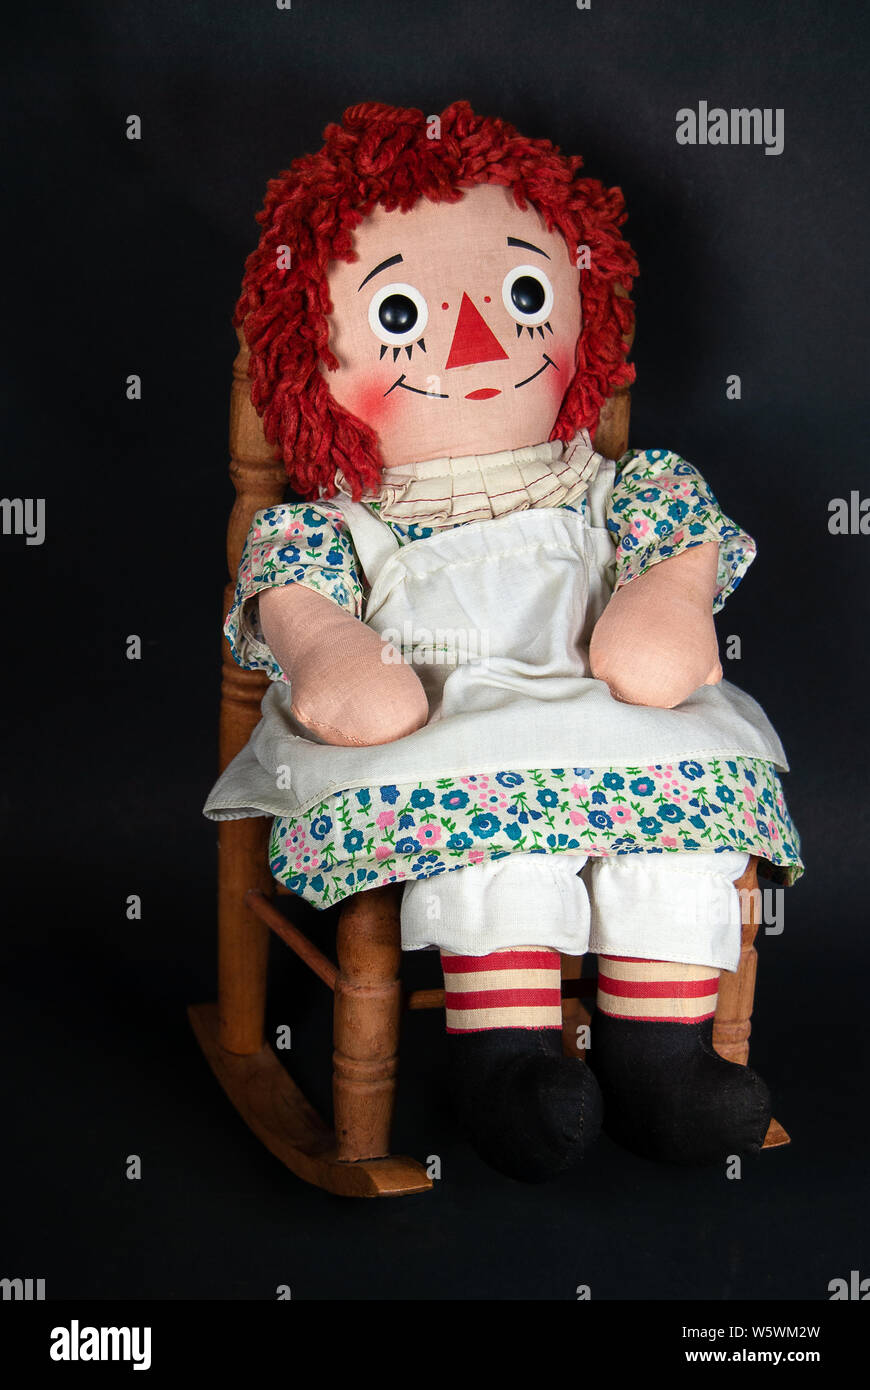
x,y
517,988
655,990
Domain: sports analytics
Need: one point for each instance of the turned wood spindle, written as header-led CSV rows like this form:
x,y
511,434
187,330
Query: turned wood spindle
x,y
732,1024
243,940
368,1003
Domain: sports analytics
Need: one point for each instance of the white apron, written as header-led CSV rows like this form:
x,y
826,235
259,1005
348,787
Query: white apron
x,y
504,610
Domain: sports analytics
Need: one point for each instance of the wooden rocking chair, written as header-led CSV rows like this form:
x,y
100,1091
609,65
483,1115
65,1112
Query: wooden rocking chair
x,y
353,1159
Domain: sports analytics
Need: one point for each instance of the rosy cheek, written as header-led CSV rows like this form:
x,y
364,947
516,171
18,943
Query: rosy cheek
x,y
368,402
559,381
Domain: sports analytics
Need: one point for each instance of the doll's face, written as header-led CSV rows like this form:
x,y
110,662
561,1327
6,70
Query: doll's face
x,y
456,329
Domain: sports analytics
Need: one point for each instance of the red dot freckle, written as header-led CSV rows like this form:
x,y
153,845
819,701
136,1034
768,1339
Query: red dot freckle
x,y
486,299
445,305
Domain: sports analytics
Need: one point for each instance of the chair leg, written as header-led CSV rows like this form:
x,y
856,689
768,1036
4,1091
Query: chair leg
x,y
573,1012
243,940
355,1160
733,1022
366,1032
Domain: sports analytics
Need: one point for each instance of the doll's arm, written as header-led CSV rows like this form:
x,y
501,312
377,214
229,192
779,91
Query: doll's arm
x,y
656,642
678,556
296,613
349,687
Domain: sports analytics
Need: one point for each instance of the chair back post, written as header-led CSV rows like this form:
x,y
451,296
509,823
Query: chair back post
x,y
243,940
611,433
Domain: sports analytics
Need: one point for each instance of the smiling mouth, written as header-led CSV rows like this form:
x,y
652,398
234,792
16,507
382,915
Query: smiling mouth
x,y
436,395
548,362
485,393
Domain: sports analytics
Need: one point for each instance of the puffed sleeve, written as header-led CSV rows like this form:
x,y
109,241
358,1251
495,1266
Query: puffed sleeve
x,y
659,506
295,543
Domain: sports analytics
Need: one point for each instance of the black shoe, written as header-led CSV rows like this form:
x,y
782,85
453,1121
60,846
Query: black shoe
x,y
669,1096
529,1111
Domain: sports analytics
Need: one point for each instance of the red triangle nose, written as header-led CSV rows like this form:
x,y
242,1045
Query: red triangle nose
x,y
473,341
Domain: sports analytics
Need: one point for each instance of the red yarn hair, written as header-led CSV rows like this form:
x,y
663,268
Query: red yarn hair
x,y
382,155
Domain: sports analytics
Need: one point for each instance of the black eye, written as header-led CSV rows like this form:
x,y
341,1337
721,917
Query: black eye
x,y
528,295
398,314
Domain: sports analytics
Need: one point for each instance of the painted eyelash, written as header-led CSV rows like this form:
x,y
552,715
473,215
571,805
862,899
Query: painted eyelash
x,y
531,331
409,347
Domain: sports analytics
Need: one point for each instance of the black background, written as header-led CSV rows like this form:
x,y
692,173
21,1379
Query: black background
x,y
126,257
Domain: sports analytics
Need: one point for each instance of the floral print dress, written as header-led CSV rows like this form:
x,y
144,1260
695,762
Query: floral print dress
x,y
659,505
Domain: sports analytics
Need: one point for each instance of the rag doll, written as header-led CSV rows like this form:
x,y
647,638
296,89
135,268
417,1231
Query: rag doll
x,y
493,662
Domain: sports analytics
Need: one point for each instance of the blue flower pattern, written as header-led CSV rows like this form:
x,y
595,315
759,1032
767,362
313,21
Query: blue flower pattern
x,y
659,506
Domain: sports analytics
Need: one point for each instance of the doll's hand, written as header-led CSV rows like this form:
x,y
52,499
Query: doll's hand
x,y
655,642
348,686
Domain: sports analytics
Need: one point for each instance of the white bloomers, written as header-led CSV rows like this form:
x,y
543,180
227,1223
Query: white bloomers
x,y
676,907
